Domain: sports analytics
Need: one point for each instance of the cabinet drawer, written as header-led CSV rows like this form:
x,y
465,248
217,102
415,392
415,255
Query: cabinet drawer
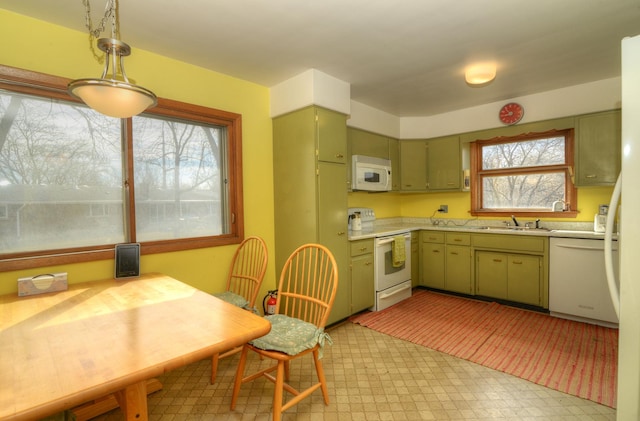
x,y
359,247
509,242
458,238
432,237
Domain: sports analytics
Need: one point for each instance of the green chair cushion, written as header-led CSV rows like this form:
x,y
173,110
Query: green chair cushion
x,y
231,298
291,335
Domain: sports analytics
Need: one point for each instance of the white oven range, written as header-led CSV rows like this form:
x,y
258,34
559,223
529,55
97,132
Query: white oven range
x,y
392,284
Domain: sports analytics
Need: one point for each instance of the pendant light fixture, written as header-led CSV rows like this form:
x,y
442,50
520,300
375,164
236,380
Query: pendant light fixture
x,y
112,94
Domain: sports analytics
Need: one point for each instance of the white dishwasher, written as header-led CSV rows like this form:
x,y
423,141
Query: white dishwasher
x,y
577,281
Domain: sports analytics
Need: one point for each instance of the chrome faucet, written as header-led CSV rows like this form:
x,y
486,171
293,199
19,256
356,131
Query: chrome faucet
x,y
515,221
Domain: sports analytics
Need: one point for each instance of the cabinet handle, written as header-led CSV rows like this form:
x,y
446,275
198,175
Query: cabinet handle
x,y
340,232
450,184
339,155
591,176
432,238
408,185
436,251
517,262
454,253
497,260
363,248
457,239
368,264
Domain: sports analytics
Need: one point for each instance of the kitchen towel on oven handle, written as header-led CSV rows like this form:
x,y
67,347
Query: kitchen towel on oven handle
x,y
398,251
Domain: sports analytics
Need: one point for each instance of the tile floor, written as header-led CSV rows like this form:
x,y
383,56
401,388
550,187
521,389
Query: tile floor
x,y
371,376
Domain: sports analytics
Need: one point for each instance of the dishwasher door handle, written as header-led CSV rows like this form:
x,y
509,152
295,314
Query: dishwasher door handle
x,y
567,246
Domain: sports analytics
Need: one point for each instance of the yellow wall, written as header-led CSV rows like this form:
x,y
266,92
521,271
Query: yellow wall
x,y
40,46
423,205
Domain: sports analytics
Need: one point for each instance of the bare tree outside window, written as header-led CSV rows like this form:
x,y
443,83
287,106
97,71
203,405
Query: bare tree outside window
x,y
523,174
56,159
73,182
178,181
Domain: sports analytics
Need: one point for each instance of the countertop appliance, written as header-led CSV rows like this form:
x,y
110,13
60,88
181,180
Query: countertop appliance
x,y
577,281
370,174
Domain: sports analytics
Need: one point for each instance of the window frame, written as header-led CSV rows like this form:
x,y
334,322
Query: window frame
x,y
55,87
477,175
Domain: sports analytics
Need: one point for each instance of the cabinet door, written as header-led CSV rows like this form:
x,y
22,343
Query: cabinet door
x,y
598,149
362,287
332,229
491,274
332,136
394,156
413,162
458,269
415,259
367,143
524,279
433,265
444,169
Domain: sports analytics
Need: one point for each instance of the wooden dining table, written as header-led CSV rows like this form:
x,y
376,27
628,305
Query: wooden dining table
x,y
59,350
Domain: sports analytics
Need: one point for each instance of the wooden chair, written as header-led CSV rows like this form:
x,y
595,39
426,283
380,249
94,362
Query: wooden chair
x,y
306,292
248,266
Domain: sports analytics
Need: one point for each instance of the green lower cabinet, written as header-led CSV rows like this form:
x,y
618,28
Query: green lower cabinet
x,y
362,268
524,279
433,265
415,258
446,261
362,287
491,274
458,269
513,277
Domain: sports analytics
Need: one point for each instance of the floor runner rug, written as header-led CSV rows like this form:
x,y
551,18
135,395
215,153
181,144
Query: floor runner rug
x,y
572,357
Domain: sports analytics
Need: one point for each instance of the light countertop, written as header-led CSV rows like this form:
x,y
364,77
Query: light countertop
x,y
398,228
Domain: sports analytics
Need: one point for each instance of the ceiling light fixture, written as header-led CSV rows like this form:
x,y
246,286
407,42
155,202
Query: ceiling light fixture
x,y
480,74
112,95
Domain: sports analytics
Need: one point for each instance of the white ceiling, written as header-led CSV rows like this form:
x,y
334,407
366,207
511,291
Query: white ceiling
x,y
405,57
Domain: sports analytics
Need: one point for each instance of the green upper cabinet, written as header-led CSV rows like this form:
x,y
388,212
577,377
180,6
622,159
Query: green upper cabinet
x,y
598,138
394,156
430,165
366,143
331,135
444,167
413,161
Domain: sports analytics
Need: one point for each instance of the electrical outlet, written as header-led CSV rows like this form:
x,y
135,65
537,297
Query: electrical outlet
x,y
443,209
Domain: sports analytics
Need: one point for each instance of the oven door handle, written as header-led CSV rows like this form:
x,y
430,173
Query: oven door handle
x,y
388,240
391,294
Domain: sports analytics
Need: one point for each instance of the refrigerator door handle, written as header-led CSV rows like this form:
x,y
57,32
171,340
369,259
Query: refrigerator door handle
x,y
608,254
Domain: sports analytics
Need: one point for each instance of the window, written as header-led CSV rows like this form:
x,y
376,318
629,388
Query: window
x,y
523,175
73,182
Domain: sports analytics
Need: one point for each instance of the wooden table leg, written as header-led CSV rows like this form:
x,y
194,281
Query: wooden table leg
x,y
133,402
102,405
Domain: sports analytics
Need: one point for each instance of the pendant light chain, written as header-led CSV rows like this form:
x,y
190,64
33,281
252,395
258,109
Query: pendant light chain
x,y
109,14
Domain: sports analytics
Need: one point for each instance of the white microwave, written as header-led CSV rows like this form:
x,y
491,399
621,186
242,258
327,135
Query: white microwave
x,y
370,174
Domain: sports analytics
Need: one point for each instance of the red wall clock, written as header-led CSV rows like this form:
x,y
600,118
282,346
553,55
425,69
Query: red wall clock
x,y
511,113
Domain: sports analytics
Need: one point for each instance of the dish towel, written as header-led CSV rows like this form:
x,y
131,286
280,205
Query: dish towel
x,y
398,251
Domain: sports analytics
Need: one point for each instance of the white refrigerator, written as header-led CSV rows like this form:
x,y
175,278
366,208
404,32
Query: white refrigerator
x,y
629,241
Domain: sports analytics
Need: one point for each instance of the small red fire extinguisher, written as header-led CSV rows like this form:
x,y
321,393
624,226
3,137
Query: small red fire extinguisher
x,y
271,299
